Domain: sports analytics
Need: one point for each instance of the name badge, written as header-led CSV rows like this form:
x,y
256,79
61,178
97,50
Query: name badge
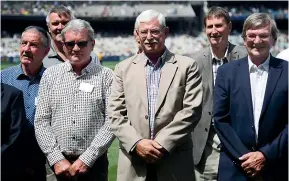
x,y
35,101
86,87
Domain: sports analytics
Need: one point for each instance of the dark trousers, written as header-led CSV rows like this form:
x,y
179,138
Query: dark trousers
x,y
151,173
31,173
98,172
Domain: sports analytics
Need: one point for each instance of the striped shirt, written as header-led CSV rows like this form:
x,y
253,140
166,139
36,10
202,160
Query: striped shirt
x,y
71,115
153,77
218,62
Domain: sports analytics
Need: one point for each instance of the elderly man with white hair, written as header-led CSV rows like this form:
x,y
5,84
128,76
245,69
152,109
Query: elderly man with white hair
x,y
154,105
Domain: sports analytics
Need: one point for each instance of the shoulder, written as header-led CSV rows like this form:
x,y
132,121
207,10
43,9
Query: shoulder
x,y
9,90
199,55
241,50
9,73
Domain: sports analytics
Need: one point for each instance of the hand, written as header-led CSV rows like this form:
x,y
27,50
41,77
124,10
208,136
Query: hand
x,y
253,163
78,167
61,168
149,150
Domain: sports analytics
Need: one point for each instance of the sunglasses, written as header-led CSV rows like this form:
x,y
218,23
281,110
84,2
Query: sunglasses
x,y
80,44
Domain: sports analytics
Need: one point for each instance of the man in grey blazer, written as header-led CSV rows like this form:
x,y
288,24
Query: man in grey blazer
x,y
155,103
206,144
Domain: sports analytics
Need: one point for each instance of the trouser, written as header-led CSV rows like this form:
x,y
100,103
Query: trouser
x,y
151,173
207,169
98,172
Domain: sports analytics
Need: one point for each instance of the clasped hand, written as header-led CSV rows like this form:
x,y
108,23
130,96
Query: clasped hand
x,y
253,163
150,150
64,168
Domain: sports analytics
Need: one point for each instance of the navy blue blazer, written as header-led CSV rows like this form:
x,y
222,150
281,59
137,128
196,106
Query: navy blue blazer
x,y
12,119
234,120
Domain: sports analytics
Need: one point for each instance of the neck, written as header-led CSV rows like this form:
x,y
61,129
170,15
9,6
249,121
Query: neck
x,y
153,57
77,68
30,69
59,49
219,52
258,60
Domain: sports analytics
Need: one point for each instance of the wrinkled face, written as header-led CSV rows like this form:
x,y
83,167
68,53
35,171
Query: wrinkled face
x,y
152,36
217,31
56,25
32,50
78,46
259,42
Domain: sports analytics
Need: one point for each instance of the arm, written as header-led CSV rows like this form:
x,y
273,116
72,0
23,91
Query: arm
x,y
104,137
17,118
187,118
278,148
42,123
117,111
228,137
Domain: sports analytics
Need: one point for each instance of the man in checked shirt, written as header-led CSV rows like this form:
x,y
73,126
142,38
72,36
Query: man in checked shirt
x,y
71,122
206,148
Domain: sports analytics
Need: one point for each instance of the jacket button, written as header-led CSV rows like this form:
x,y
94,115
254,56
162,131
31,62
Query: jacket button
x,y
146,116
206,129
210,113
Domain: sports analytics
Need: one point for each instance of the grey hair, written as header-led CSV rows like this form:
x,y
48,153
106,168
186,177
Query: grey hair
x,y
149,15
60,10
259,20
44,36
78,25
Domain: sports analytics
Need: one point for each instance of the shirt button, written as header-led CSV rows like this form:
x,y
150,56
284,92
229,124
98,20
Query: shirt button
x,y
73,122
146,116
73,137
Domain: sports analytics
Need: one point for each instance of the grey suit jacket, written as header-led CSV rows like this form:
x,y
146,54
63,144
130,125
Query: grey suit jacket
x,y
204,60
178,110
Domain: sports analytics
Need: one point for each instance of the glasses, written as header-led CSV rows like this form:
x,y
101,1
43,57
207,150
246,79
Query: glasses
x,y
71,44
154,32
252,37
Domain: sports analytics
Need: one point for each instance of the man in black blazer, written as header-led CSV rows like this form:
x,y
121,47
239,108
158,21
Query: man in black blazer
x,y
251,108
12,119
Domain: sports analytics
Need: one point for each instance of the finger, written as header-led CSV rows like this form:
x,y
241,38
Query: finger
x,y
156,145
156,153
245,156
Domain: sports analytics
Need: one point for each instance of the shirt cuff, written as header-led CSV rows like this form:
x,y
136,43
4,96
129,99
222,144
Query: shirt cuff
x,y
55,157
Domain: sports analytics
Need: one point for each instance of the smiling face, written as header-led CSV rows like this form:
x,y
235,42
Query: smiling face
x,y
56,25
218,31
258,42
78,46
152,36
32,50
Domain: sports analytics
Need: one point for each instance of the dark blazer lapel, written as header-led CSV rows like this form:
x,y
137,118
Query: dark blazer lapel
x,y
208,67
244,78
275,70
167,75
140,79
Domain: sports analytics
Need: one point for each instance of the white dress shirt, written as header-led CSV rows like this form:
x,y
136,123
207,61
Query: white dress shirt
x,y
258,81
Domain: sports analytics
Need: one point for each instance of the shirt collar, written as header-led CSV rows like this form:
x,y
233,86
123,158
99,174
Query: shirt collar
x,y
160,61
265,64
20,73
226,53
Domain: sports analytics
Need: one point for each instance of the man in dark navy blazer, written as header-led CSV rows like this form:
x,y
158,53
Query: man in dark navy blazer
x,y
251,108
12,119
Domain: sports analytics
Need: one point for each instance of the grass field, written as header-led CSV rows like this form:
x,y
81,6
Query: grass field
x,y
113,150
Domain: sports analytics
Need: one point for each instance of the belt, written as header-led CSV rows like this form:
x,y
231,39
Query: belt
x,y
71,157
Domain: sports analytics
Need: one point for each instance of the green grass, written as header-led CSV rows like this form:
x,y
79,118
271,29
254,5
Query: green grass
x,y
113,150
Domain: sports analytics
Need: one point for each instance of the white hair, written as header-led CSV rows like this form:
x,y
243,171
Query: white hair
x,y
149,15
78,25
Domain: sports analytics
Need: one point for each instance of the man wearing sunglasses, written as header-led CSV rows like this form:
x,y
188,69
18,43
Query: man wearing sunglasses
x,y
251,108
56,19
71,122
34,46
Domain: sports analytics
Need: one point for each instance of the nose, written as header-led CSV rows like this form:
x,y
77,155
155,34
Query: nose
x,y
60,26
214,30
257,39
26,48
149,35
76,48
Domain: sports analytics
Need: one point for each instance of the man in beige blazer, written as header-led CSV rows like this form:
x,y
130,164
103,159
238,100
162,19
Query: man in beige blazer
x,y
155,103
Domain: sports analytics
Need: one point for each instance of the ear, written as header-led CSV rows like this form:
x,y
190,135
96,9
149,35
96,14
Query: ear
x,y
230,26
93,43
166,32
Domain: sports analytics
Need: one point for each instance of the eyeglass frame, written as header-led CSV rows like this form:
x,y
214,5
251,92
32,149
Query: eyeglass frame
x,y
76,43
260,36
159,32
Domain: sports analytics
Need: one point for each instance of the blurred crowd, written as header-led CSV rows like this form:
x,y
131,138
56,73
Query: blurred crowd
x,y
119,47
